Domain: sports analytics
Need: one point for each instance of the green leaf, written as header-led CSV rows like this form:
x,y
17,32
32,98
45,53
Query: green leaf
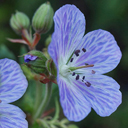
x,y
6,53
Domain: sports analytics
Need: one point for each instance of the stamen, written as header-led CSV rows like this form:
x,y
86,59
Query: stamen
x,y
73,74
77,52
71,60
88,84
93,72
83,49
83,77
0,101
77,77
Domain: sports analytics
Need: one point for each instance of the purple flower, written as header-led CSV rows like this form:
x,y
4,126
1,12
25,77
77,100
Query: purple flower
x,y
13,85
81,61
28,58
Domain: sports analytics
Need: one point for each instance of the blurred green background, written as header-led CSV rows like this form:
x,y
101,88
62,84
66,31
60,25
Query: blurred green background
x,y
110,15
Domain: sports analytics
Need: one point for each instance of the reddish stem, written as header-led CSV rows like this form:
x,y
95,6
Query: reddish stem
x,y
46,113
29,44
36,39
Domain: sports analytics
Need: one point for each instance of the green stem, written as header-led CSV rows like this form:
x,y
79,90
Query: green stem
x,y
45,101
38,96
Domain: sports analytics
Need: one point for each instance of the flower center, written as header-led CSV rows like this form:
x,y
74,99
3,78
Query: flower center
x,y
64,70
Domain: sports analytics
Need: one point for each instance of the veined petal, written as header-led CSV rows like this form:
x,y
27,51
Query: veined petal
x,y
101,50
103,94
75,106
13,83
12,117
69,30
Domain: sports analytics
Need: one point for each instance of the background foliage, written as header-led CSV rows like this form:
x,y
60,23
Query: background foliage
x,y
110,15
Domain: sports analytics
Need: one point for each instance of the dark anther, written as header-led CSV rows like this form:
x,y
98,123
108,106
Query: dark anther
x,y
77,52
83,49
73,74
88,84
86,64
77,77
83,77
0,101
71,60
93,72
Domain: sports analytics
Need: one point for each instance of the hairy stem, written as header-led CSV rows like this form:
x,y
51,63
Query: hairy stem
x,y
44,103
38,96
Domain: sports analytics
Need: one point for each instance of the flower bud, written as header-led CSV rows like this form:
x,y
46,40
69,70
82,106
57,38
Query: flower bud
x,y
19,21
43,18
36,60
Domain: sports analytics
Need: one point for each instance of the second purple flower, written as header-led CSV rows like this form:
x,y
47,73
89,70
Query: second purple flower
x,y
13,85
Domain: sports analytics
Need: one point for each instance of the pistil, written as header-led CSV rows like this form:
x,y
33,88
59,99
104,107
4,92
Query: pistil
x,y
85,66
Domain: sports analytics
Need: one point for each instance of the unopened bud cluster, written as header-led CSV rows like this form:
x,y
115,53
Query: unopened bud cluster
x,y
41,22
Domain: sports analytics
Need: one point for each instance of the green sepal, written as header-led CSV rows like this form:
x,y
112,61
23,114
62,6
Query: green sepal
x,y
39,54
51,67
39,70
19,21
27,72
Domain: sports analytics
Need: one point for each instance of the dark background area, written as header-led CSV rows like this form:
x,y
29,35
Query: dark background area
x,y
110,15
